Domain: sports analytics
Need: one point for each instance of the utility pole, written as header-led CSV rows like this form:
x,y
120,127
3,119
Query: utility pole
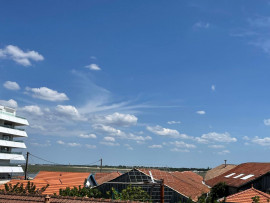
x,y
100,164
26,166
162,191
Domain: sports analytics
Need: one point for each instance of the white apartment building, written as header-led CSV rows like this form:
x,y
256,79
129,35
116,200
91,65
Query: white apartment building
x,y
10,133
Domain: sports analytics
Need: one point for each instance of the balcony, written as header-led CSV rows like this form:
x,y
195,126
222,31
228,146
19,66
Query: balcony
x,y
7,152
11,127
12,131
12,118
11,169
13,144
11,156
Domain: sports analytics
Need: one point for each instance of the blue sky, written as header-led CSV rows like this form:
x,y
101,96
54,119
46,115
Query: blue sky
x,y
169,83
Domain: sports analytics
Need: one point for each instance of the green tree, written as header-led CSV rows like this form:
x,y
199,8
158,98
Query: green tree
x,y
130,193
255,199
216,192
30,188
80,192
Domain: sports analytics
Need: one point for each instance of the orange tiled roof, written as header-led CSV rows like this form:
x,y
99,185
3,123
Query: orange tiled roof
x,y
61,180
23,198
245,196
255,169
186,183
56,180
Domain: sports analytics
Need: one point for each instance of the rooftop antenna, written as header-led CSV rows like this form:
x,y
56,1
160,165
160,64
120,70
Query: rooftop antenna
x,y
225,162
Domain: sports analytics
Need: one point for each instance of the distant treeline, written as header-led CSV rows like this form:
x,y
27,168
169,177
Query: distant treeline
x,y
105,168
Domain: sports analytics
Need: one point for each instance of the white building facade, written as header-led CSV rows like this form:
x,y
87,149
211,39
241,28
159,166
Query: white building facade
x,y
10,133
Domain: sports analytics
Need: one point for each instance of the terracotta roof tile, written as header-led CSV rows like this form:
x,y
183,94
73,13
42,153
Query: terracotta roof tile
x,y
245,196
13,198
255,169
188,184
61,180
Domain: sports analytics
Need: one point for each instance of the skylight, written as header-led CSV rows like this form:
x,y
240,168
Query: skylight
x,y
238,175
227,176
247,177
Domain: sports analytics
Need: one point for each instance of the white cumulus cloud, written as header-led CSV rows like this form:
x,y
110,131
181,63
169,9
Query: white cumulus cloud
x,y
216,146
69,111
19,56
9,103
93,67
128,146
200,112
224,152
174,122
11,85
112,144
109,139
118,119
158,130
201,24
70,144
261,141
155,146
181,144
266,122
179,150
93,136
33,109
45,93
215,137
118,133
89,146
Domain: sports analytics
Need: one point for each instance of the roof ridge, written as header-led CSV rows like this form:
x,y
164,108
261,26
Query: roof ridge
x,y
262,193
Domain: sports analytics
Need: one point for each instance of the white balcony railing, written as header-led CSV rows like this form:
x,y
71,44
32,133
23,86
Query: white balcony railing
x,y
14,132
15,119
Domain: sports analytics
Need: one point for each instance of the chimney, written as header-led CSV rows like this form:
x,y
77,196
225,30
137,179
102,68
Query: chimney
x,y
47,199
225,163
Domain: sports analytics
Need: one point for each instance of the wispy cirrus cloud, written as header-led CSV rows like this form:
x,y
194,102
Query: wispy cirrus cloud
x,y
21,57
